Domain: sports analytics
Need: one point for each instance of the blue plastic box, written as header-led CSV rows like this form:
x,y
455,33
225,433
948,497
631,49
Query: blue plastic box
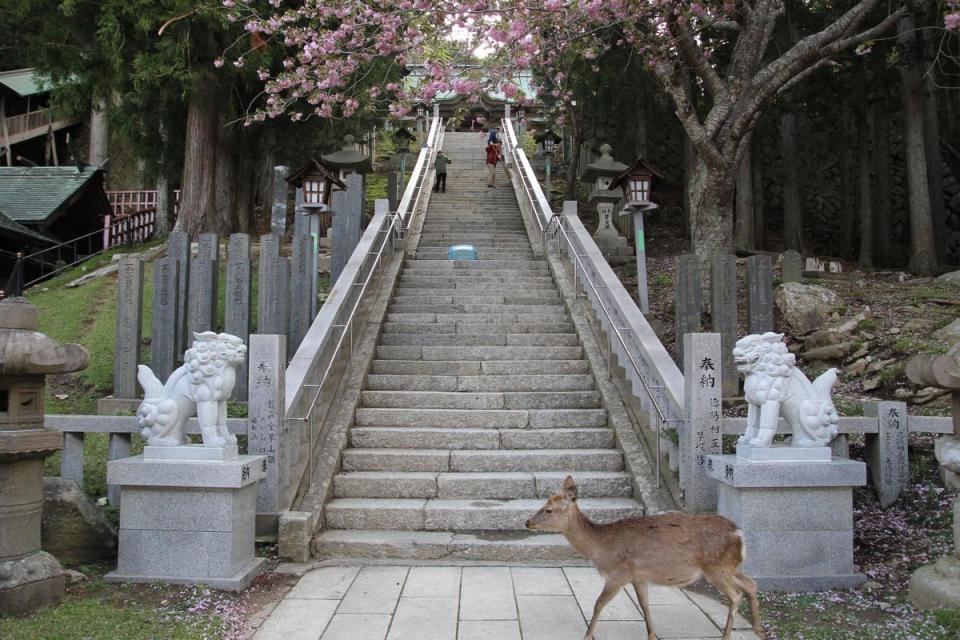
x,y
462,252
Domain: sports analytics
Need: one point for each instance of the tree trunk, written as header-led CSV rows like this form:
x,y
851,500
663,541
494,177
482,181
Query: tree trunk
x,y
882,220
264,170
744,232
99,135
792,206
864,192
226,184
923,253
246,177
198,204
759,219
847,218
711,195
931,129
164,217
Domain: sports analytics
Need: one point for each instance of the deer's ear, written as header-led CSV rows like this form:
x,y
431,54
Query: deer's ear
x,y
569,489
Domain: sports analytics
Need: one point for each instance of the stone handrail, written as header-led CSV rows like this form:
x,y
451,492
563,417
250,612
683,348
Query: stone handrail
x,y
410,199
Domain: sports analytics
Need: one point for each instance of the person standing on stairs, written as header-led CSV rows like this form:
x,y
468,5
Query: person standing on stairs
x,y
493,156
441,165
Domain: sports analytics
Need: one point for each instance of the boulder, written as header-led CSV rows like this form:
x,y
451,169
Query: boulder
x,y
802,308
951,278
830,352
949,334
74,529
836,333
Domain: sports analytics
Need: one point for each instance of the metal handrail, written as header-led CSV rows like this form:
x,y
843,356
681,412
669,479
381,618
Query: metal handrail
x,y
545,218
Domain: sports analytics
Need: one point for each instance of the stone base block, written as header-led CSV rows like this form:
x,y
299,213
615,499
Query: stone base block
x,y
118,406
237,582
30,583
783,454
187,522
937,586
191,452
295,533
796,518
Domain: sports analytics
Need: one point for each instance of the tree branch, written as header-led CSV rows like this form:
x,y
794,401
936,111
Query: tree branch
x,y
687,114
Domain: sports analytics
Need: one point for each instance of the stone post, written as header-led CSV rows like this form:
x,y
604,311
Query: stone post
x,y
266,421
29,578
163,340
347,207
702,433
637,213
278,213
129,327
688,305
887,450
202,304
393,190
237,307
273,287
791,266
723,316
301,289
759,294
178,248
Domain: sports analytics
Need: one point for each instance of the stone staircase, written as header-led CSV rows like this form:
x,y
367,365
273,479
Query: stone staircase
x,y
479,400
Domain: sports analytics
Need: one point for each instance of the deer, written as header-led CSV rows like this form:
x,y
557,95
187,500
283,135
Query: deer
x,y
671,549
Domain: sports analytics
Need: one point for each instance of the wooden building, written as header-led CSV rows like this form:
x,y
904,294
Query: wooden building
x,y
27,126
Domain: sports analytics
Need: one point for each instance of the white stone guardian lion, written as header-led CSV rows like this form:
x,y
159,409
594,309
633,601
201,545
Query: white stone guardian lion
x,y
774,387
202,386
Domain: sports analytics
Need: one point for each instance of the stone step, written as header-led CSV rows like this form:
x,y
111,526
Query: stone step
x,y
475,367
474,328
482,418
576,382
478,272
480,282
410,352
421,438
475,318
502,485
459,515
480,460
489,339
477,292
495,546
543,308
481,400
468,298
416,264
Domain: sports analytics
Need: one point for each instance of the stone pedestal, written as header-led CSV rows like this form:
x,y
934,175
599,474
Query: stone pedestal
x,y
796,515
188,520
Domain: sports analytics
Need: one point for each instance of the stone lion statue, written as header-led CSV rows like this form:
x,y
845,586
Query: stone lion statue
x,y
202,386
774,387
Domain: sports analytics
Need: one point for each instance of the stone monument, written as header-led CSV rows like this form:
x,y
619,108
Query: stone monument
x,y
938,585
793,503
602,173
188,510
29,577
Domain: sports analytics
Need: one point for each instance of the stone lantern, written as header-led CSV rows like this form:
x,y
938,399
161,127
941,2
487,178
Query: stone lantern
x,y
602,173
29,577
349,159
637,184
938,585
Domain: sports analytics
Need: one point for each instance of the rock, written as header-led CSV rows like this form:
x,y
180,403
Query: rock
x,y
867,336
860,353
951,278
856,368
927,394
947,451
917,325
879,364
871,585
801,308
871,384
949,334
893,330
902,393
836,333
937,586
74,576
830,352
74,529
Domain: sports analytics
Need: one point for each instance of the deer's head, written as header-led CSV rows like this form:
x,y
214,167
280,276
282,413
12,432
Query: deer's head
x,y
556,513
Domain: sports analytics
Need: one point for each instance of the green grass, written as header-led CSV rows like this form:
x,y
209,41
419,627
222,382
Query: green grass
x,y
89,618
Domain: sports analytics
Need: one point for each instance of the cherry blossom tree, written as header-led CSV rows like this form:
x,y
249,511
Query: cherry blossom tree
x,y
720,62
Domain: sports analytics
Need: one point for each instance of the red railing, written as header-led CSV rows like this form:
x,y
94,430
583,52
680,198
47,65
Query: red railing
x,y
123,202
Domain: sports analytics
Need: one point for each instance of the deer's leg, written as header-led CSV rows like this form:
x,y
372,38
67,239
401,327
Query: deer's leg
x,y
729,586
641,588
609,590
749,587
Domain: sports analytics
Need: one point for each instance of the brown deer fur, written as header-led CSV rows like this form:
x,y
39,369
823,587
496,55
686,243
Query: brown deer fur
x,y
673,549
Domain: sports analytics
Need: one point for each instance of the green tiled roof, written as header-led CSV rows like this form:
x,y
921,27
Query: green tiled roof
x,y
33,194
23,82
15,230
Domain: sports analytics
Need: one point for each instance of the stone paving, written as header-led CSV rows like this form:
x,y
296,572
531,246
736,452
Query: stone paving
x,y
479,603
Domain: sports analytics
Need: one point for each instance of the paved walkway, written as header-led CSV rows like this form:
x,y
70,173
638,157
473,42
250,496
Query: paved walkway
x,y
479,603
